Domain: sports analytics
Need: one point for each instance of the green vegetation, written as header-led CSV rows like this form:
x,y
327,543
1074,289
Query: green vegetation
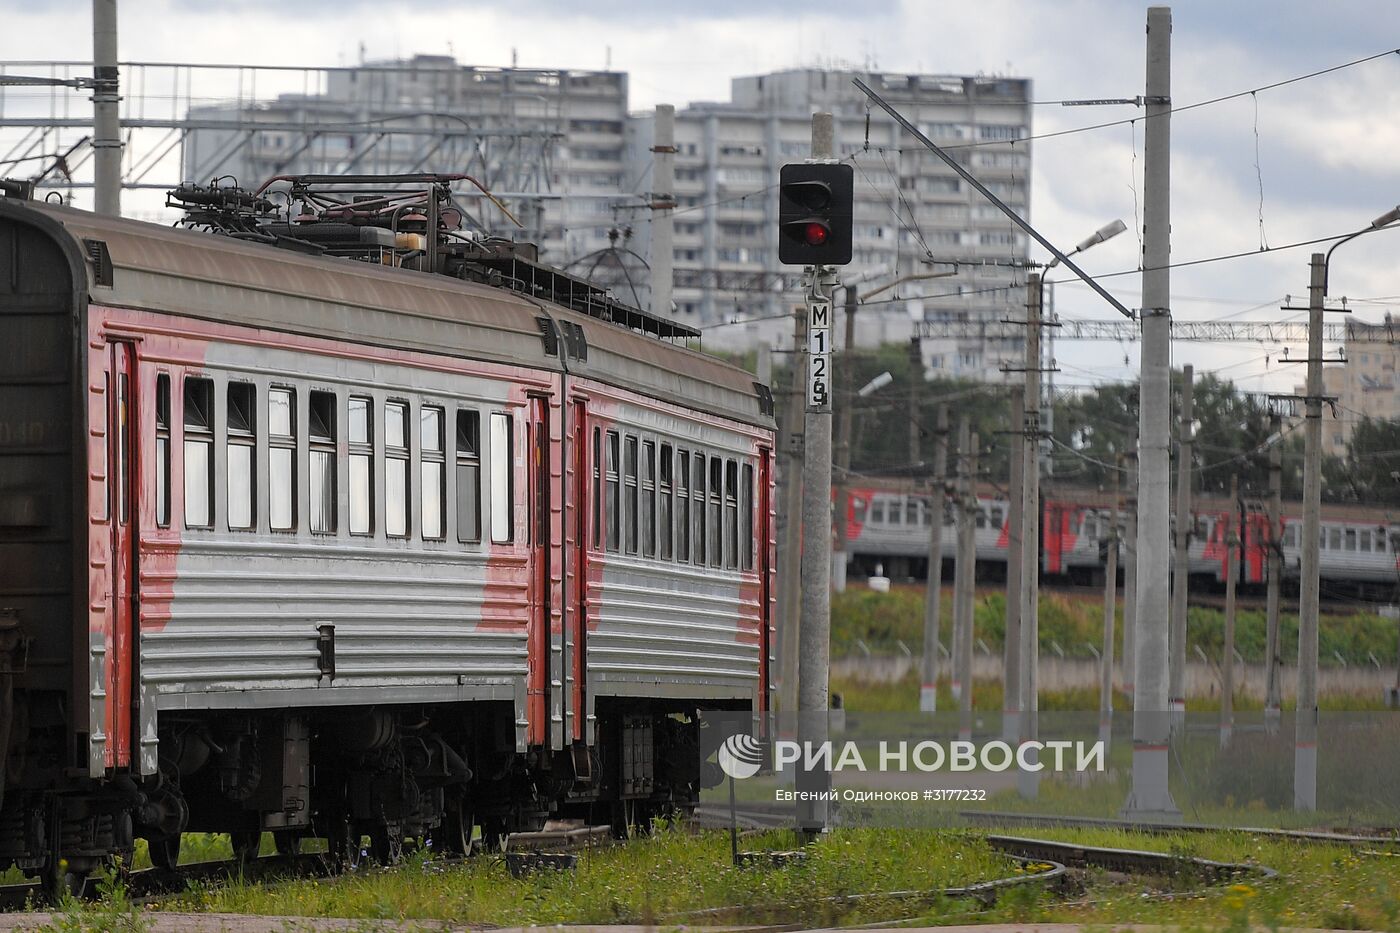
x,y
673,876
881,620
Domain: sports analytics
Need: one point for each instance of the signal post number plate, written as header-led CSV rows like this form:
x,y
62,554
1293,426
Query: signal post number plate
x,y
818,354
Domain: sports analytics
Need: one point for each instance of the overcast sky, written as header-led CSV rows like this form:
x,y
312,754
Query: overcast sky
x,y
1328,148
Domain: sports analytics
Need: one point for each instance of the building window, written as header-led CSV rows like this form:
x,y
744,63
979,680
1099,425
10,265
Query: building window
x,y
242,484
433,472
664,527
163,450
199,453
502,479
468,476
360,412
396,469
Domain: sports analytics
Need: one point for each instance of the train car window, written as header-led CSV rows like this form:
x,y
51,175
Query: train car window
x,y
597,488
360,422
648,498
1364,540
629,469
697,514
322,439
682,505
468,476
1334,539
1349,539
731,514
877,512
396,469
911,511
163,450
979,518
858,509
611,485
747,541
664,529
281,459
199,453
895,513
123,448
502,478
926,514
1380,540
433,472
242,485
716,517
997,514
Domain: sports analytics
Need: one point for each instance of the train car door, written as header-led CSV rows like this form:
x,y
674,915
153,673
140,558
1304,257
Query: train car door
x,y
122,467
546,616
765,578
576,627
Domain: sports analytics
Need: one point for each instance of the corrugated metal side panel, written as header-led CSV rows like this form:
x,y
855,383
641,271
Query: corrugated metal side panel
x,y
660,623
244,617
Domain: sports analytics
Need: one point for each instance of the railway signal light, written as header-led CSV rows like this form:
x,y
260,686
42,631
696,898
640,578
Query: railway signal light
x,y
814,214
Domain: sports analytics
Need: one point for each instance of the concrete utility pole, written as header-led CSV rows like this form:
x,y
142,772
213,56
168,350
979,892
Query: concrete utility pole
x,y
1011,648
959,555
1273,663
1233,533
967,571
815,651
916,401
790,552
1181,574
663,203
933,587
1110,612
1028,782
1305,740
106,119
1130,572
842,478
1150,798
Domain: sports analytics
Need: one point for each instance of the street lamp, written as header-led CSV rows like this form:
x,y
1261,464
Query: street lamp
x,y
1305,748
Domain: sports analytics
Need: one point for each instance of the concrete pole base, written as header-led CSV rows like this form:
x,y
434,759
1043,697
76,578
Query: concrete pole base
x,y
838,571
928,698
1305,777
1150,800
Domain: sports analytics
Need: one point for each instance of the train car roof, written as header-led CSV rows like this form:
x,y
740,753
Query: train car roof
x,y
221,279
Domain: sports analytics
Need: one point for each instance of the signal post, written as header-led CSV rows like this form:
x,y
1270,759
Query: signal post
x,y
814,218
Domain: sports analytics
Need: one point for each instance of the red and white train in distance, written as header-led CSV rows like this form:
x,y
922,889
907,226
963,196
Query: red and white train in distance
x,y
346,523
887,524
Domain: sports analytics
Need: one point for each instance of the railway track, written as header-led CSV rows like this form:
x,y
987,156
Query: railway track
x,y
988,818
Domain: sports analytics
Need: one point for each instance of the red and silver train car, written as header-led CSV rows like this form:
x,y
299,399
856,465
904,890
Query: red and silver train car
x,y
888,525
295,543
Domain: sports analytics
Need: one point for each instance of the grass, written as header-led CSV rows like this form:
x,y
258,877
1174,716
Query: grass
x,y
665,877
882,620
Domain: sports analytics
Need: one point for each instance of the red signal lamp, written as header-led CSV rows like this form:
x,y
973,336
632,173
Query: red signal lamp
x,y
815,233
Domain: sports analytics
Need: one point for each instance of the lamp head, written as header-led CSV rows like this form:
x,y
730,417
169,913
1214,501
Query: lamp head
x,y
1388,218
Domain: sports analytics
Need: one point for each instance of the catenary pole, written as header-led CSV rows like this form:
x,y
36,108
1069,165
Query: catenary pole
x,y
815,640
1234,531
933,587
1181,571
1011,648
1305,736
1110,613
106,118
1130,570
959,556
1150,797
790,553
967,570
1273,662
663,204
842,476
1028,782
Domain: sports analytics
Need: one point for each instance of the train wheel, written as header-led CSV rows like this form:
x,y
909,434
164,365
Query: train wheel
x,y
246,843
62,878
454,836
493,834
288,841
165,853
